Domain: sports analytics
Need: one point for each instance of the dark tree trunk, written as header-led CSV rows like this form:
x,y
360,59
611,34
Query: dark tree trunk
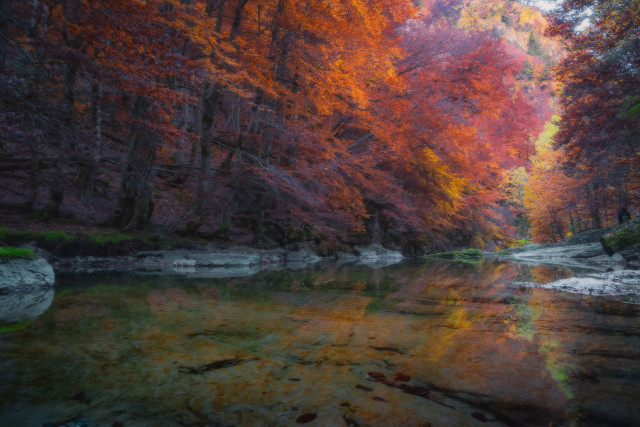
x,y
60,178
96,118
135,203
220,7
237,19
208,104
5,21
594,207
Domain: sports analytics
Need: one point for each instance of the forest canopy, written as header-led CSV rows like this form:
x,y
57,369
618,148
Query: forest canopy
x,y
355,120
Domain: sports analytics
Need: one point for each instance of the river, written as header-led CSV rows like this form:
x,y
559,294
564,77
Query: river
x,y
410,344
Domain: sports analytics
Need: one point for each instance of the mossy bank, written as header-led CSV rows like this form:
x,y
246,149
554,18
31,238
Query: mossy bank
x,y
96,243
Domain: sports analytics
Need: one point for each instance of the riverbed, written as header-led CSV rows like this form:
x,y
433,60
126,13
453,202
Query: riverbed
x,y
410,344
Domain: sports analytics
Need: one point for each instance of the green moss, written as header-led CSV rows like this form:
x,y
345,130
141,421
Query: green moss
x,y
7,234
54,240
108,238
624,238
9,253
55,236
471,256
15,326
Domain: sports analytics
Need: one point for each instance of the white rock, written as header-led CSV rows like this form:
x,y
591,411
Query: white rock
x,y
26,288
621,282
20,273
378,252
304,255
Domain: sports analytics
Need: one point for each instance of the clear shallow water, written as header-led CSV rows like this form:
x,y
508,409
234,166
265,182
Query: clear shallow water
x,y
455,343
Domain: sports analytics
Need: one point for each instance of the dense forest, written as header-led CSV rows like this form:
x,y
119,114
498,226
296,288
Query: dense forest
x,y
437,124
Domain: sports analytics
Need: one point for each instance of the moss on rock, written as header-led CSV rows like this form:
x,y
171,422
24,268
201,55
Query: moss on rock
x,y
623,238
7,253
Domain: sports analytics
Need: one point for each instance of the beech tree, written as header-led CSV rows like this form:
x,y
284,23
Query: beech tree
x,y
262,117
600,100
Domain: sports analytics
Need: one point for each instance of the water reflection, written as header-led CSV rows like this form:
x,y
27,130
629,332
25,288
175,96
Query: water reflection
x,y
448,344
18,308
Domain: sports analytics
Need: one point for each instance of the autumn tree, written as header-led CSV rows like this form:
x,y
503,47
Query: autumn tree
x,y
600,125
256,119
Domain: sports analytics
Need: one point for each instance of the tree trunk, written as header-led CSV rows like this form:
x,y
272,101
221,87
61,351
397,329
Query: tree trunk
x,y
5,21
221,4
96,118
135,204
59,181
237,20
208,103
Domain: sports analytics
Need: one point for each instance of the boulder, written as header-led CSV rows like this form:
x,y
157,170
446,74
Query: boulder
x,y
376,252
21,274
346,257
26,289
304,255
221,259
624,240
589,236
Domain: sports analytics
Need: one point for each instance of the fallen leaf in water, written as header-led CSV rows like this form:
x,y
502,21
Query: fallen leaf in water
x,y
361,387
378,398
479,416
400,377
306,418
378,376
371,338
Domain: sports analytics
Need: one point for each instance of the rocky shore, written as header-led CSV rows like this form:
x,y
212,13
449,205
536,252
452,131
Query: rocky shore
x,y
605,261
210,261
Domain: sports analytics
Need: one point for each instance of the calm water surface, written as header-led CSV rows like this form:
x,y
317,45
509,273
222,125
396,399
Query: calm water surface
x,y
440,344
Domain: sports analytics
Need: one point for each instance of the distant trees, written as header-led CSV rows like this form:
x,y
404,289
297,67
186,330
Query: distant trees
x,y
533,46
599,129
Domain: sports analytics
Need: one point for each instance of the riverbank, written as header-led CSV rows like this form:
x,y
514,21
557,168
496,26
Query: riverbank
x,y
602,249
605,261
